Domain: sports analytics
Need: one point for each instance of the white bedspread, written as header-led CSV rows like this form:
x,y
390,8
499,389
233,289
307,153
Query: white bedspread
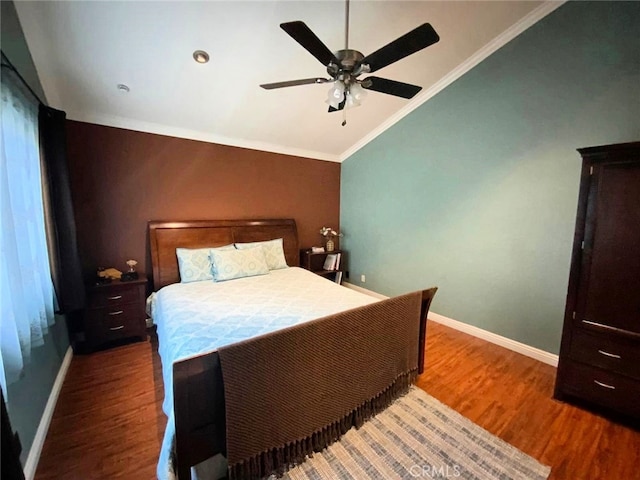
x,y
199,317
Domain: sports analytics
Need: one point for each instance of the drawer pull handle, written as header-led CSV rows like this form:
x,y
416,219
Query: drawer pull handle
x,y
117,328
607,354
595,324
119,312
610,387
117,297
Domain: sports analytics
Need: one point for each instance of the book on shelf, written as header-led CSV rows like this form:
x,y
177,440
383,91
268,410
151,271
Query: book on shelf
x,y
338,278
332,261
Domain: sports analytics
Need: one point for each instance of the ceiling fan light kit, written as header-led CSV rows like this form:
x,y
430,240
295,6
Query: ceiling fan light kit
x,y
352,95
336,94
345,66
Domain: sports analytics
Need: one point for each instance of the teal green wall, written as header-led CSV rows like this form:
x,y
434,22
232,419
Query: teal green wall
x,y
476,190
28,397
15,47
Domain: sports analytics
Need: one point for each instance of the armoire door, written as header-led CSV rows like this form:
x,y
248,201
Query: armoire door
x,y
609,288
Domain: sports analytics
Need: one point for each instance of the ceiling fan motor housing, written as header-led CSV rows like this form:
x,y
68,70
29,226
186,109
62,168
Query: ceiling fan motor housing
x,y
349,67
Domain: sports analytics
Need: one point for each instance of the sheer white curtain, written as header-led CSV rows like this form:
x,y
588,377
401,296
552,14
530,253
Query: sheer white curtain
x,y
26,290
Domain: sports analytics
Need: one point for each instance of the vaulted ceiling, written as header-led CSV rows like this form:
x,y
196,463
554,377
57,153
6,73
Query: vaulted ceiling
x,y
83,49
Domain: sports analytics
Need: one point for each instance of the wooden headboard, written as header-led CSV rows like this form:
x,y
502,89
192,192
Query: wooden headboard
x,y
165,237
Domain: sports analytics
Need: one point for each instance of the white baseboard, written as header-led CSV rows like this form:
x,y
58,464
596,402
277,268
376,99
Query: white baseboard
x,y
38,442
529,351
371,293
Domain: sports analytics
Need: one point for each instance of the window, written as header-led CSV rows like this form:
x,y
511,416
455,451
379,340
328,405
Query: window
x,y
26,290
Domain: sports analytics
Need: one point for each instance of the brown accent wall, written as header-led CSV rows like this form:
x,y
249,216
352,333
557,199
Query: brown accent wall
x,y
121,179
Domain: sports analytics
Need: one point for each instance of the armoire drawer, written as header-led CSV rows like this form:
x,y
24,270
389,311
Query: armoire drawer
x,y
602,387
606,351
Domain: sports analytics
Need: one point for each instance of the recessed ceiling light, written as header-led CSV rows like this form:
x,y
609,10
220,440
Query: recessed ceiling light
x,y
201,56
123,88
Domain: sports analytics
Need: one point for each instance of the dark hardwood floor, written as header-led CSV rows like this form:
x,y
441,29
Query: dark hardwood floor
x,y
108,423
510,395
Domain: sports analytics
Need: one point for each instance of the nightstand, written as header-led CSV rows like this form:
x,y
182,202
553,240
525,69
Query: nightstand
x,y
115,311
314,262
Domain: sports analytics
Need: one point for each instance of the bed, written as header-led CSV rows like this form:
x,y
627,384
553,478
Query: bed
x,y
230,349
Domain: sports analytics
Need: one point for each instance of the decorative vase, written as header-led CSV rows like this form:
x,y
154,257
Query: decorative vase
x,y
330,246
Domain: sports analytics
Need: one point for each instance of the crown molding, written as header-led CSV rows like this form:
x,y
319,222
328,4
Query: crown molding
x,y
41,58
159,129
505,37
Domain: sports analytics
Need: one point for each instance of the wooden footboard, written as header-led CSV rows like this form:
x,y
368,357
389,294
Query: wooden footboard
x,y
427,297
199,405
198,399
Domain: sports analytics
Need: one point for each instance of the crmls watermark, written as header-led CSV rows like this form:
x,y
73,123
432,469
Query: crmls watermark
x,y
429,471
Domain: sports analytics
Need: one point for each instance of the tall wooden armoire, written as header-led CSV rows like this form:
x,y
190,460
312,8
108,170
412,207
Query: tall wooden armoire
x,y
600,351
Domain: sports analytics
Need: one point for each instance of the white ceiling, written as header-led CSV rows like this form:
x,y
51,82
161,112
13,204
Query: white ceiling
x,y
83,49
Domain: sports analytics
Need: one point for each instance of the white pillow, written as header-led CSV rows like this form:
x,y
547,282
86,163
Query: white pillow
x,y
230,264
273,252
194,263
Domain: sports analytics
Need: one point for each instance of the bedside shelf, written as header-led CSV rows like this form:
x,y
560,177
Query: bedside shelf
x,y
314,262
325,273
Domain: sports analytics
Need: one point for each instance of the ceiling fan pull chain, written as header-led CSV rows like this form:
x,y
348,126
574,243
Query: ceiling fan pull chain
x,y
346,26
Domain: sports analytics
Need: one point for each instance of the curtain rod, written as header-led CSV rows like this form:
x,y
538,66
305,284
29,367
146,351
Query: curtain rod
x,y
10,66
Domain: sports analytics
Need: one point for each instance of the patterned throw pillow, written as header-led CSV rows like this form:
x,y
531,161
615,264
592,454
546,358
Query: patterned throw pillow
x,y
230,264
194,263
273,252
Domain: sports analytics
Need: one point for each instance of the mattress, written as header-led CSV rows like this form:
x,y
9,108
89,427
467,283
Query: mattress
x,y
200,317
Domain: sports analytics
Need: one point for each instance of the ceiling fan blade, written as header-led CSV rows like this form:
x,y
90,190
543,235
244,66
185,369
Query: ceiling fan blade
x,y
293,83
304,36
340,106
409,43
391,87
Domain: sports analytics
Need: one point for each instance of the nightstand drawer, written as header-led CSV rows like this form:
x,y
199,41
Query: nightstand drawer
x,y
104,324
605,351
602,387
113,295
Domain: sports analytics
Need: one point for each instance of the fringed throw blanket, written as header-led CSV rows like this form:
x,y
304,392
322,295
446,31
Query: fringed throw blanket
x,y
297,390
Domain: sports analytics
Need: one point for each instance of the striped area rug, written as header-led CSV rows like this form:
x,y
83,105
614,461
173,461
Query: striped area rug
x,y
419,437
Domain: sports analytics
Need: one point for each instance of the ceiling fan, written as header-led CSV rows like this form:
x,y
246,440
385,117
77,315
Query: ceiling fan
x,y
345,66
